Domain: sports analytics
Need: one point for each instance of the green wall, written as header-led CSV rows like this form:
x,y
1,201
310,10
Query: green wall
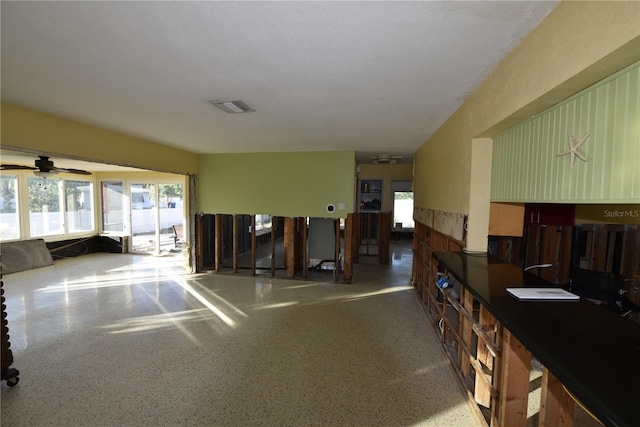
x,y
526,165
281,184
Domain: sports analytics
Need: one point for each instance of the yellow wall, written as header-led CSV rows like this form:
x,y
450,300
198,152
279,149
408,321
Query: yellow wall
x,y
31,131
608,214
578,44
387,173
280,184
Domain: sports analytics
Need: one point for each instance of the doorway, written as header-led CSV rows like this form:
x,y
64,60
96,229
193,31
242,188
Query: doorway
x,y
157,217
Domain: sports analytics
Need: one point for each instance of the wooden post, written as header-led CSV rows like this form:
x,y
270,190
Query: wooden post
x,y
289,246
356,236
305,260
218,248
534,238
199,244
556,406
367,218
348,249
235,243
336,271
384,236
564,260
299,243
464,329
253,245
482,390
497,378
273,245
514,392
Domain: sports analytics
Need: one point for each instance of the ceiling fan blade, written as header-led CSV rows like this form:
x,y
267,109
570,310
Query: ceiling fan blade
x,y
16,167
75,171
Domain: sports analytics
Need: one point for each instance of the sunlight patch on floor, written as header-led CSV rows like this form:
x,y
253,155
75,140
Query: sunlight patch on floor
x,y
156,322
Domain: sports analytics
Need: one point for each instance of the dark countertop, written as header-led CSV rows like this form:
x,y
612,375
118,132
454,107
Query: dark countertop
x,y
593,351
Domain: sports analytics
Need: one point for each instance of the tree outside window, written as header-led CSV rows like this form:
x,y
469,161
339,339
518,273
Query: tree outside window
x,y
9,226
45,214
78,205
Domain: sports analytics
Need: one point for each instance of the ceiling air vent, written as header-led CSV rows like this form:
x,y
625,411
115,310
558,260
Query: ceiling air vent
x,y
233,106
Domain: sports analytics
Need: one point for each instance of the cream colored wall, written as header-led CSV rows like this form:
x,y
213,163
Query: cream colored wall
x,y
480,190
31,131
387,173
141,176
578,44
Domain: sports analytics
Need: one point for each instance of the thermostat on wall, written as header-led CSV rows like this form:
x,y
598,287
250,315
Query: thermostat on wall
x,y
331,208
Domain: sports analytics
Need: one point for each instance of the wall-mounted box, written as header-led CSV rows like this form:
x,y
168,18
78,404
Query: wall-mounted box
x,y
506,219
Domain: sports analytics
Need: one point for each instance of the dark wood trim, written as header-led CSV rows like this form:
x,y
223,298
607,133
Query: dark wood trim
x,y
305,238
336,275
348,249
235,243
253,245
199,244
273,245
218,245
384,236
289,246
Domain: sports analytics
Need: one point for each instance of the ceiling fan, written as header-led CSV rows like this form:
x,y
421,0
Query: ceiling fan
x,y
386,158
44,168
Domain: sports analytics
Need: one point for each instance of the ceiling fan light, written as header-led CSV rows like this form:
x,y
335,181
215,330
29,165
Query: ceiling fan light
x,y
45,174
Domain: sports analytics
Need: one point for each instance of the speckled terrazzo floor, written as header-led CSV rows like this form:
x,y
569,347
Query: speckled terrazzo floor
x,y
128,340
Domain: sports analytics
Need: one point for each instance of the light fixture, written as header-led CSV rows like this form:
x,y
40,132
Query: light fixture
x,y
45,174
233,106
385,158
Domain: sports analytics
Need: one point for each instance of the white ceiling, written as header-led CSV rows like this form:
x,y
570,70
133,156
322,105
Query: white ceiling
x,y
374,77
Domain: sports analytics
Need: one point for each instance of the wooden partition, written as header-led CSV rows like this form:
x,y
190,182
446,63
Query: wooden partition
x,y
372,231
425,241
224,238
350,246
384,236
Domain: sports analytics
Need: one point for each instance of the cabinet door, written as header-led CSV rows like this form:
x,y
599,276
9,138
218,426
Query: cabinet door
x,y
549,214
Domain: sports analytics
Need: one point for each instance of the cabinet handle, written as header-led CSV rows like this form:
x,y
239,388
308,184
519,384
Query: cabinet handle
x,y
538,217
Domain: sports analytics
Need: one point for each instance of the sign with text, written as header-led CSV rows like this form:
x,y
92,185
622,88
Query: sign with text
x,y
608,214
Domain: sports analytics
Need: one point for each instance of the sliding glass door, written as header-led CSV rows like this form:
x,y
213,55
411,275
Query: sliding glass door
x,y
144,218
157,217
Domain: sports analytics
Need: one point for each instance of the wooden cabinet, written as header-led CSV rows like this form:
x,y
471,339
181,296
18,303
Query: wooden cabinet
x,y
370,195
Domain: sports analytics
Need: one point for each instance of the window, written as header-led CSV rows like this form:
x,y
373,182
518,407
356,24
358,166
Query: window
x,y
112,207
9,223
403,209
79,205
45,207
